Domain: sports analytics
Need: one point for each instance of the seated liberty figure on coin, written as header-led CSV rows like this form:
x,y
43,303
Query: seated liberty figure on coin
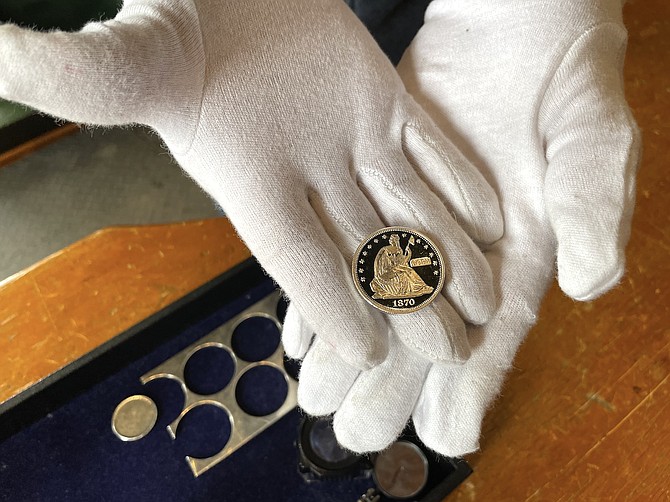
x,y
394,277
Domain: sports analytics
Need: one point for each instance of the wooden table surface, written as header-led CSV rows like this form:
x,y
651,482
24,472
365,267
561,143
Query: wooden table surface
x,y
585,414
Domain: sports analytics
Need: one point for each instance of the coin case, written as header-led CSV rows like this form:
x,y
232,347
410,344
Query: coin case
x,y
72,453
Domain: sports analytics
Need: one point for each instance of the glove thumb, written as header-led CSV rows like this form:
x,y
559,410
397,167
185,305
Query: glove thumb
x,y
592,151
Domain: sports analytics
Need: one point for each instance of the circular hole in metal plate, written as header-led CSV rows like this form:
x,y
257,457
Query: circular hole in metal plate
x,y
169,397
261,390
282,305
134,417
203,431
401,471
255,338
209,369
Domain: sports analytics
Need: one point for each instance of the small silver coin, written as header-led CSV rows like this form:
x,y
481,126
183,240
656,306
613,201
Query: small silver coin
x,y
134,418
398,270
401,471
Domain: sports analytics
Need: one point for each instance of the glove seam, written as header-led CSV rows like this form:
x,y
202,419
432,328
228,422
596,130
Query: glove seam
x,y
435,147
201,97
412,345
346,226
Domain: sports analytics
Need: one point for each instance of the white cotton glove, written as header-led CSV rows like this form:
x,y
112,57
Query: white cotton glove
x,y
533,90
292,119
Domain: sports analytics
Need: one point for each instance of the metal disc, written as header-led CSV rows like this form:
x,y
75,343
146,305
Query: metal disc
x,y
134,418
401,471
398,270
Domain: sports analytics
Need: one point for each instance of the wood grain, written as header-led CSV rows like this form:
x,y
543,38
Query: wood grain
x,y
89,292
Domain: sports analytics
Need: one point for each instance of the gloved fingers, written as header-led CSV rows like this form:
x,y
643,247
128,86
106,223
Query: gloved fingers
x,y
310,268
402,198
448,414
436,332
593,149
296,333
454,179
108,73
426,334
325,380
379,403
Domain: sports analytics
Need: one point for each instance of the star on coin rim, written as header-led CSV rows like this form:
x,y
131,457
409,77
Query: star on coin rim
x,y
384,308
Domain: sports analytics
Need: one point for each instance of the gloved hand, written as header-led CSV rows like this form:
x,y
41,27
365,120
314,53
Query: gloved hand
x,y
533,91
293,120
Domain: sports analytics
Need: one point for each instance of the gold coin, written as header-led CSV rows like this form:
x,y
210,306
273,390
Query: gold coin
x,y
398,270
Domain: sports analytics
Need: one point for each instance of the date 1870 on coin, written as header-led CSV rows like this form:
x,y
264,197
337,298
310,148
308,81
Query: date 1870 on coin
x,y
398,270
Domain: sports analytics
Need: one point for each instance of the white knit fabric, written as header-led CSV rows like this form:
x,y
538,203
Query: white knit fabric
x,y
532,92
293,120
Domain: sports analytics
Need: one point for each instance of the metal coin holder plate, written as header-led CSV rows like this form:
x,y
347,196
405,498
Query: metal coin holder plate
x,y
243,426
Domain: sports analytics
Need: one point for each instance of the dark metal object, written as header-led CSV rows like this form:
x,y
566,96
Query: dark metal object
x,y
321,457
